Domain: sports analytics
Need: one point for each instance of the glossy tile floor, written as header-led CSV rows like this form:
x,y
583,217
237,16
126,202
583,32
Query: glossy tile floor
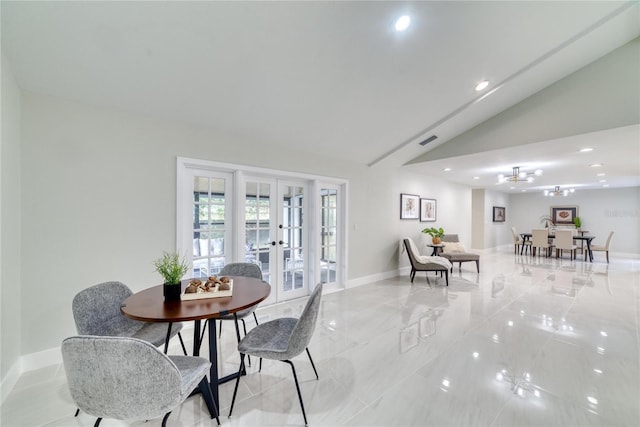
x,y
527,342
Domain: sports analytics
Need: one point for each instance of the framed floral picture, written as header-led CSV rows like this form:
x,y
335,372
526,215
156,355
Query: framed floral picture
x,y
427,210
409,206
563,214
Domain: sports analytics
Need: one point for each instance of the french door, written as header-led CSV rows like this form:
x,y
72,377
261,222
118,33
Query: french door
x,y
276,234
291,225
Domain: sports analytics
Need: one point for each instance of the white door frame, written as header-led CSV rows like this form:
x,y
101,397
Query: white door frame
x,y
184,170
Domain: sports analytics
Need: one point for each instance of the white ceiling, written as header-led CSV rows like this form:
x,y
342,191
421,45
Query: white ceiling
x,y
328,78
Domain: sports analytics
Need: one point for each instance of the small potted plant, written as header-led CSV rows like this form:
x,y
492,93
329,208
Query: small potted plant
x,y
435,233
171,267
577,222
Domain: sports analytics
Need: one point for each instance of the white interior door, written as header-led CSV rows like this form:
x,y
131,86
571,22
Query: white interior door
x,y
275,234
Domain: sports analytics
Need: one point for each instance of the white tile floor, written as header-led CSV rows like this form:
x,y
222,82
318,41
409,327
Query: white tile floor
x,y
527,342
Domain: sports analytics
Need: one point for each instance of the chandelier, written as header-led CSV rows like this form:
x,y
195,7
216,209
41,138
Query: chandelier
x,y
557,192
519,176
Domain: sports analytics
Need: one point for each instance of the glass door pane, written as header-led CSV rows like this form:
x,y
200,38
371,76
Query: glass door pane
x,y
292,243
328,234
209,225
258,225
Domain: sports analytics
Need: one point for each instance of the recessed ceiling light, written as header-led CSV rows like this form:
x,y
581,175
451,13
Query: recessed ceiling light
x,y
403,23
606,185
603,180
446,169
482,85
586,149
601,174
476,177
596,165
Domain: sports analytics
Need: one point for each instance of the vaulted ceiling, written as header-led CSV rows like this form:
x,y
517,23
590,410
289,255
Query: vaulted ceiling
x,y
336,78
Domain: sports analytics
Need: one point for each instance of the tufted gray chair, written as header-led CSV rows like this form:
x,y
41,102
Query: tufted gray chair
x,y
282,339
130,379
96,311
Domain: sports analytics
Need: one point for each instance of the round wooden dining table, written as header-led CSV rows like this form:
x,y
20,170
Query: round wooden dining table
x,y
149,305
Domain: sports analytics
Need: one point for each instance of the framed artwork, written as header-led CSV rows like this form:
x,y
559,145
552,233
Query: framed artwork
x,y
563,214
409,206
427,210
499,214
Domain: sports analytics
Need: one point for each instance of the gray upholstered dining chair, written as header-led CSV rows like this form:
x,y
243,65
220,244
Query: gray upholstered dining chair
x,y
282,339
600,248
245,269
129,379
96,311
425,263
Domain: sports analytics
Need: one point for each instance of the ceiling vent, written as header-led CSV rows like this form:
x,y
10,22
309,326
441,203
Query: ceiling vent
x,y
428,140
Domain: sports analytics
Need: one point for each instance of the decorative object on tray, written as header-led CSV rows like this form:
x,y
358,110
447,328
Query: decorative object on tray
x,y
409,206
427,210
171,267
435,233
213,287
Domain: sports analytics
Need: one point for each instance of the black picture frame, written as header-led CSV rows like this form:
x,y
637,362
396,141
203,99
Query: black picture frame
x,y
409,206
499,214
428,210
563,214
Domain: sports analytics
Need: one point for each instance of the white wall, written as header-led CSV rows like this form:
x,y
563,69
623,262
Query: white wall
x,y
10,214
99,191
601,211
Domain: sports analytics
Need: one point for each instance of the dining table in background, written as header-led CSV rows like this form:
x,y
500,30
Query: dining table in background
x,y
583,238
149,305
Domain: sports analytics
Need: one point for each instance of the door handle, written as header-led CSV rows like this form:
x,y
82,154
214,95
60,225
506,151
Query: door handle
x,y
280,242
273,243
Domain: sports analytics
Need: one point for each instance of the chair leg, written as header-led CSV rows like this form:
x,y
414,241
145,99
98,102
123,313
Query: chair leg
x,y
166,340
165,418
77,412
312,364
446,276
607,257
478,265
244,327
184,349
97,423
235,389
295,378
255,318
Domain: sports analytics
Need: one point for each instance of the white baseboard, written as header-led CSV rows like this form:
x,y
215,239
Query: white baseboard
x,y
41,359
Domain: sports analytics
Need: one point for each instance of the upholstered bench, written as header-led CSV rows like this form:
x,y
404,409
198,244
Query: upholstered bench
x,y
454,251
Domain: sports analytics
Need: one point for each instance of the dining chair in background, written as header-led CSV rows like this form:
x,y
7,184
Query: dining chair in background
x,y
564,241
129,379
518,241
96,311
282,339
601,248
425,263
540,240
245,269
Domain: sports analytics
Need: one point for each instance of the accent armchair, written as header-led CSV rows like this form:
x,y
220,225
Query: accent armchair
x,y
425,263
